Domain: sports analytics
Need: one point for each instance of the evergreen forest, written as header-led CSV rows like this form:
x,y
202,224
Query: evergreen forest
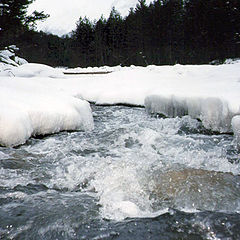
x,y
163,32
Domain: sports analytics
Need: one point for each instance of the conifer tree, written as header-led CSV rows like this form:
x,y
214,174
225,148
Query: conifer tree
x,y
15,20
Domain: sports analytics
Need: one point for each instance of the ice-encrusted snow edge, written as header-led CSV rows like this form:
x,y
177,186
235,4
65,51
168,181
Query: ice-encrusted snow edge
x,y
214,113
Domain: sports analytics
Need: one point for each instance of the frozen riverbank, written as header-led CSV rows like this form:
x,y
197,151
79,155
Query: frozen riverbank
x,y
206,92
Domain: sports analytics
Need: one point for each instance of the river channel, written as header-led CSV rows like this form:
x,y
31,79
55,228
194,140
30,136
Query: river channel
x,y
135,176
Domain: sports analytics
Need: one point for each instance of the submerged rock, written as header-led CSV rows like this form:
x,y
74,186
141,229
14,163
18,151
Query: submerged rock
x,y
196,188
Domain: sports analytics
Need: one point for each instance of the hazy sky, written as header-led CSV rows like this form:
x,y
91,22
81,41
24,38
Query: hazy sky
x,y
64,14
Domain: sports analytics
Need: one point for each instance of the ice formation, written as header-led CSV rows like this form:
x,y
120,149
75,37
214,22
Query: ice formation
x,y
213,112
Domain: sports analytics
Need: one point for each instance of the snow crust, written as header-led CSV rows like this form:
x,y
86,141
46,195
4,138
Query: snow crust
x,y
31,92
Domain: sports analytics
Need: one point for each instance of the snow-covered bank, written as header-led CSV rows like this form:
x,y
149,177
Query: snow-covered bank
x,y
210,93
28,108
206,92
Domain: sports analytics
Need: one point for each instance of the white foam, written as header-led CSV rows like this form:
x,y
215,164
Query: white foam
x,y
236,128
140,150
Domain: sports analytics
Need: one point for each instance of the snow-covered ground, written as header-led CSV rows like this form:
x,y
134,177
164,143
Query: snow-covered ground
x,y
37,99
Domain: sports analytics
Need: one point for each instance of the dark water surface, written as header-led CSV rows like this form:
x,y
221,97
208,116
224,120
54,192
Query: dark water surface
x,y
133,177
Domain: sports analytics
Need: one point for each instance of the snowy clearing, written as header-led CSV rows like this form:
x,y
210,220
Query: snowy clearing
x,y
37,99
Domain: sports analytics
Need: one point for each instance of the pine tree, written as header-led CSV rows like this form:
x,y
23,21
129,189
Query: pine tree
x,y
15,20
100,42
84,38
114,36
16,14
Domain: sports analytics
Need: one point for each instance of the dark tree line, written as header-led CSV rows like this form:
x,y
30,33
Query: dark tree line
x,y
164,32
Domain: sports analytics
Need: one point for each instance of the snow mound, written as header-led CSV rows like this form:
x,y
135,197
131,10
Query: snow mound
x,y
103,69
12,65
31,109
37,70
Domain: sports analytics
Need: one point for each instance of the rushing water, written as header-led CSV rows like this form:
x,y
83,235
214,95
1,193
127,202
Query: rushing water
x,y
134,176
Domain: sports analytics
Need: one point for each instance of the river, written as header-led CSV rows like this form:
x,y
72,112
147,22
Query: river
x,y
135,176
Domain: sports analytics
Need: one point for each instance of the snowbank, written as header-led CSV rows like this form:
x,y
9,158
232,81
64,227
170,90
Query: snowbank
x,y
28,108
31,70
206,92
